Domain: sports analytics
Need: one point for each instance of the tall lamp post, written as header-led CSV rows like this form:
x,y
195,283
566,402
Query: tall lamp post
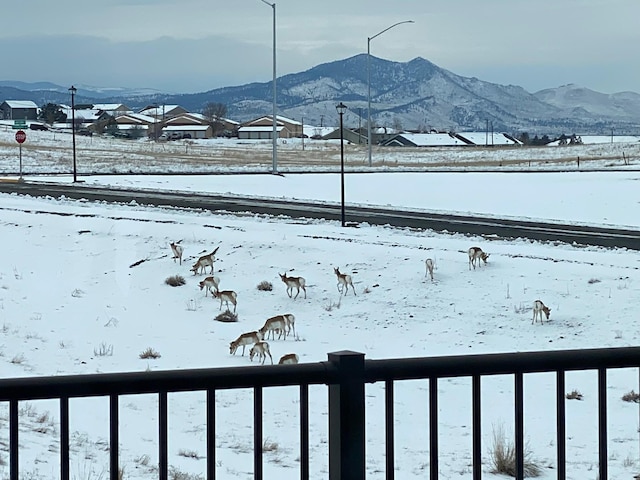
x,y
341,108
73,91
369,84
275,122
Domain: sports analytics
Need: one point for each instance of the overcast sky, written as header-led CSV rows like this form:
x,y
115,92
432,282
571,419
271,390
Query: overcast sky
x,y
197,45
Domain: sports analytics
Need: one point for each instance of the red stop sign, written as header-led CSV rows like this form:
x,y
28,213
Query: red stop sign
x,y
21,136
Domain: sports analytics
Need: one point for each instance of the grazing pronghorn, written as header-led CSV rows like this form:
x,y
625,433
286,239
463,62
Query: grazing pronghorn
x,y
177,250
226,296
291,323
209,284
429,264
204,262
294,282
288,359
475,255
344,280
538,309
261,349
280,324
248,338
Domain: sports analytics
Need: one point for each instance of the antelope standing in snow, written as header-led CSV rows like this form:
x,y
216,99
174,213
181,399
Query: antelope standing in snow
x,y
243,340
226,296
294,282
204,262
261,349
538,309
288,359
429,265
279,323
177,250
475,255
344,280
209,284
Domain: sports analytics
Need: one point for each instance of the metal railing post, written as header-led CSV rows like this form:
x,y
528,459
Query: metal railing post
x,y
346,417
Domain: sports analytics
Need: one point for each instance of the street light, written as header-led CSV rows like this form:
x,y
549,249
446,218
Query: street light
x,y
341,108
275,124
369,84
73,91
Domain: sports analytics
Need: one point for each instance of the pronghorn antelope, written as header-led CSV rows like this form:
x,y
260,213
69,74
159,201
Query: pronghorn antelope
x,y
429,265
177,250
344,280
288,359
226,296
204,262
291,323
538,309
261,349
294,282
475,255
279,323
209,284
248,338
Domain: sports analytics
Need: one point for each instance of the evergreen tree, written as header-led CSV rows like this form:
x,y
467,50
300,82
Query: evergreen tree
x,y
52,112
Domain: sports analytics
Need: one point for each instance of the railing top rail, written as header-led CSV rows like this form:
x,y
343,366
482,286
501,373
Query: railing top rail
x,y
39,388
501,363
320,373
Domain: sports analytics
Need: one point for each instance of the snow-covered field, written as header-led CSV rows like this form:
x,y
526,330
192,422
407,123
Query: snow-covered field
x,y
71,304
51,152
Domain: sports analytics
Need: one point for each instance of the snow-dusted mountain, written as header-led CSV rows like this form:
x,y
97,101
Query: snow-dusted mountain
x,y
420,95
414,95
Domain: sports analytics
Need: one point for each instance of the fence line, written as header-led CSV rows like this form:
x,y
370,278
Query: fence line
x,y
345,373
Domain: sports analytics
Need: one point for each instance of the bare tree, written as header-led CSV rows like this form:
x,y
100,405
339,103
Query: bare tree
x,y
215,112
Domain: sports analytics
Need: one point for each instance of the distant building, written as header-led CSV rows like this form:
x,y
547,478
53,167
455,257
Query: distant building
x,y
18,110
451,140
258,128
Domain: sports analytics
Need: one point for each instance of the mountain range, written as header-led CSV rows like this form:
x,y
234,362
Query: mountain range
x,y
416,95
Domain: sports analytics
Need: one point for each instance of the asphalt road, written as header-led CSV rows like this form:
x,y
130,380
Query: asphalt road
x,y
475,225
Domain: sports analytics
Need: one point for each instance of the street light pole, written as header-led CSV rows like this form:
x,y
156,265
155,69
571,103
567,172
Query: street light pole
x,y
73,91
369,84
341,108
275,123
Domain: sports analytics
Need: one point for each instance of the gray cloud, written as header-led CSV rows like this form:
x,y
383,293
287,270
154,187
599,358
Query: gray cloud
x,y
195,45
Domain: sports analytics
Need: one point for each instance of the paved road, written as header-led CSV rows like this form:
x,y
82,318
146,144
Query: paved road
x,y
476,225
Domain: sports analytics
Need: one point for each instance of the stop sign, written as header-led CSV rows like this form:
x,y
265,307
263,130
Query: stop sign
x,y
21,136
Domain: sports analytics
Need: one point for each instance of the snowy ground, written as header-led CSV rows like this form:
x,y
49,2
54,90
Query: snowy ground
x,y
71,304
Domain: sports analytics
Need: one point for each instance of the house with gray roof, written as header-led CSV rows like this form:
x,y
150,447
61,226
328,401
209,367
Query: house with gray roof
x,y
18,110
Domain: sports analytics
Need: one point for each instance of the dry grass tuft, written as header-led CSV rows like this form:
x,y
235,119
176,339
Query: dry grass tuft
x,y
574,395
503,457
227,317
175,280
631,397
149,353
265,286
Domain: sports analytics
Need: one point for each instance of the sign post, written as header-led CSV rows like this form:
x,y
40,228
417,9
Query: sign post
x,y
21,136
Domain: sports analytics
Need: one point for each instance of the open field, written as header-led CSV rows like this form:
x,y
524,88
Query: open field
x,y
52,152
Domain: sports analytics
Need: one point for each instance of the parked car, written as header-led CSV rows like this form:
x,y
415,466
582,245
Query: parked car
x,y
38,126
84,131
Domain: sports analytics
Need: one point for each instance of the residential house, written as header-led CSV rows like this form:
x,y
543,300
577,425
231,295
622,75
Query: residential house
x,y
130,121
188,125
349,135
113,109
18,110
450,140
262,133
162,112
424,140
285,128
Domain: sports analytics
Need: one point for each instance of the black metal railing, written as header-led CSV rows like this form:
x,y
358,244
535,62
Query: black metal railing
x,y
345,373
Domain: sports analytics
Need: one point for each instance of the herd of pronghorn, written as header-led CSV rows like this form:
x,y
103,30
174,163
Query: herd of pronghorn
x,y
284,325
